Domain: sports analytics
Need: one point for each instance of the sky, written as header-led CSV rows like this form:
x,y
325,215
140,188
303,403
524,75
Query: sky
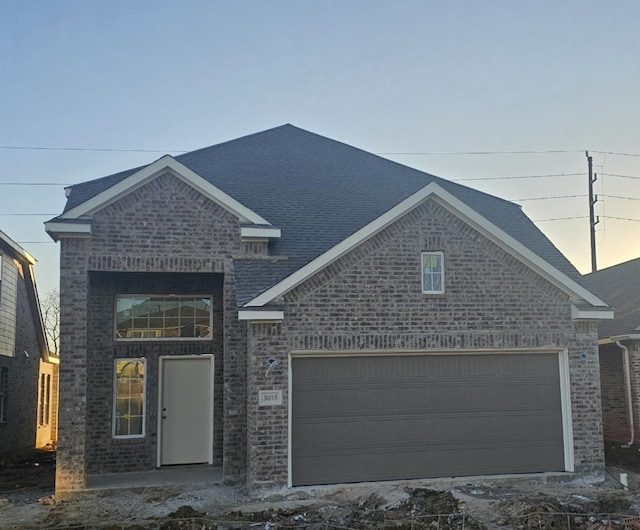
x,y
90,88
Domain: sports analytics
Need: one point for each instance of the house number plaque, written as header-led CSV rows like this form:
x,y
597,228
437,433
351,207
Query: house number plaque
x,y
269,397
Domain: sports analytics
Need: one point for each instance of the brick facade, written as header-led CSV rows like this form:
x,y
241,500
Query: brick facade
x,y
372,299
163,238
166,237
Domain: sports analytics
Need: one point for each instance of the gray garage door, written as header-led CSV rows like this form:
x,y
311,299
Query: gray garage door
x,y
367,418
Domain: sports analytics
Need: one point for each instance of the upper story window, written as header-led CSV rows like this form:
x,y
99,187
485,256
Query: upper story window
x,y
433,272
163,317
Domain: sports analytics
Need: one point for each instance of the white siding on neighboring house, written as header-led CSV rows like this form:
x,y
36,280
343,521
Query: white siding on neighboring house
x,y
8,294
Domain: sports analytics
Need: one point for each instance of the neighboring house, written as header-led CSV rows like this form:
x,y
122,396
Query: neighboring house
x,y
619,341
28,372
299,311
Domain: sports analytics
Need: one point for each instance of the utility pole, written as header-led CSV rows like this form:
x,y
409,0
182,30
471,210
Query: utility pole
x,y
593,221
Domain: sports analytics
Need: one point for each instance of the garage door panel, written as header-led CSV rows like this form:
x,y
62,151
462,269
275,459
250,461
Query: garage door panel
x,y
435,428
393,417
448,396
442,461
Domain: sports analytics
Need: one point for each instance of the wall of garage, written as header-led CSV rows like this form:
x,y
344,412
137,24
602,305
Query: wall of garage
x,y
371,299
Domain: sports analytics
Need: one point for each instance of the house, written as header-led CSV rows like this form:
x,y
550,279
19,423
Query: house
x,y
299,311
28,372
619,341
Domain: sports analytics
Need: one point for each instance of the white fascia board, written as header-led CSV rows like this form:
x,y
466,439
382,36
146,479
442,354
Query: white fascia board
x,y
591,314
20,253
612,340
258,316
147,173
458,208
516,249
260,232
58,230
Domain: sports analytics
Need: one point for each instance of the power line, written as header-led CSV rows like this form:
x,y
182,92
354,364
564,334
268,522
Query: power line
x,y
455,153
560,219
518,177
99,149
42,214
550,175
409,153
620,218
620,197
549,198
34,184
118,150
614,153
620,176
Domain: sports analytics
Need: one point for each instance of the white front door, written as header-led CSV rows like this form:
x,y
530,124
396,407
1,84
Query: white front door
x,y
186,410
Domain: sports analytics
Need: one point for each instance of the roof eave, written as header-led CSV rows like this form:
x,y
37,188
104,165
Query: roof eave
x,y
153,170
458,208
617,338
58,230
19,253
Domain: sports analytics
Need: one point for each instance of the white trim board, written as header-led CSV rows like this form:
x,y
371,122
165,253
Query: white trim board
x,y
59,230
20,253
261,316
153,170
266,232
458,208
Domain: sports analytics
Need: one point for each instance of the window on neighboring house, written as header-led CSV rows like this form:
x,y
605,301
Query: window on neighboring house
x,y
44,399
433,272
162,317
129,398
4,391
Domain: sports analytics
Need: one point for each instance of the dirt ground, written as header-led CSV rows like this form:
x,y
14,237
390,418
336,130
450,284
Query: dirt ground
x,y
26,502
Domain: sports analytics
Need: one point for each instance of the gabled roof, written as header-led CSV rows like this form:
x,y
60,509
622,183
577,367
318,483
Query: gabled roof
x,y
319,192
620,287
13,249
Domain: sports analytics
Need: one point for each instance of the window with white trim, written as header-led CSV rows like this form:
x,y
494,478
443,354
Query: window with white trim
x,y
129,403
4,391
163,317
433,272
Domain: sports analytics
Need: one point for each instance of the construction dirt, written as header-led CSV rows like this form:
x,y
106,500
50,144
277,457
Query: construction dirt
x,y
26,502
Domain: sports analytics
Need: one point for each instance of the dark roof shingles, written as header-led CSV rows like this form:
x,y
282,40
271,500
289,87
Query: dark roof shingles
x,y
319,191
618,286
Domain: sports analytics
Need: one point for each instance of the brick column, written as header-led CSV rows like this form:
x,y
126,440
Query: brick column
x,y
234,458
586,403
72,421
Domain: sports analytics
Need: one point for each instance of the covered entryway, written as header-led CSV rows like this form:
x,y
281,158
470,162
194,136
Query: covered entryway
x,y
386,417
186,410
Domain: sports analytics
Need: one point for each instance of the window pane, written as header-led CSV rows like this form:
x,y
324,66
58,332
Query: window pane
x,y
428,284
129,398
432,272
163,317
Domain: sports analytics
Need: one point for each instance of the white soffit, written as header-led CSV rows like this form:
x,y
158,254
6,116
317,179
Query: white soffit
x,y
458,208
591,314
260,232
58,230
153,170
260,316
